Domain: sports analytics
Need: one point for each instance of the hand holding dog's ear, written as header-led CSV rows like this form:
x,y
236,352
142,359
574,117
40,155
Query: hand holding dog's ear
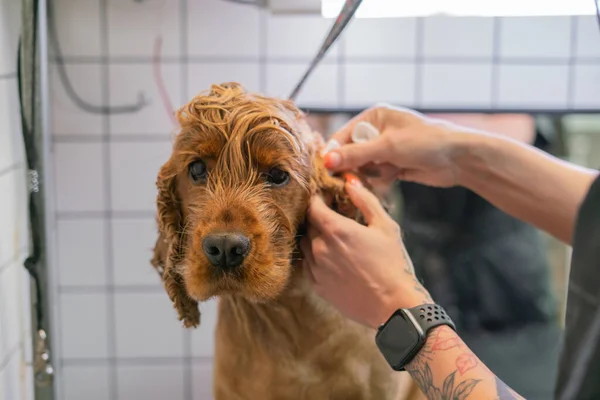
x,y
410,147
364,271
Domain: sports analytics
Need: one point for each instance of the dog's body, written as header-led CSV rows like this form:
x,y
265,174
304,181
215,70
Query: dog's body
x,y
297,348
231,201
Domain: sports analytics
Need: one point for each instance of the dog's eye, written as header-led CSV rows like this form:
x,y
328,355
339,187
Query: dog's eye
x,y
277,177
197,171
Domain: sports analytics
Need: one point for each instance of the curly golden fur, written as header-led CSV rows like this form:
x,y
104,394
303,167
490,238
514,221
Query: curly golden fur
x,y
274,339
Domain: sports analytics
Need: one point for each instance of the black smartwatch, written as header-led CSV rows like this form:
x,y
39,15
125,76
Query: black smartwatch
x,y
402,336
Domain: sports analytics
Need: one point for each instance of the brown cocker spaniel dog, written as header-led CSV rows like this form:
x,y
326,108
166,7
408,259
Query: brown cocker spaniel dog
x,y
231,204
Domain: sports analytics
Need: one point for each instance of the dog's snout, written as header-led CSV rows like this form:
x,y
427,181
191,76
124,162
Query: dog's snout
x,y
226,250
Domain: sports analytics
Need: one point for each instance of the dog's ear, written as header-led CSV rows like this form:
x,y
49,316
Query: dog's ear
x,y
331,188
168,251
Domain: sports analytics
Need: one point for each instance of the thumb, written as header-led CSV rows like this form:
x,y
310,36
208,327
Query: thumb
x,y
368,204
354,155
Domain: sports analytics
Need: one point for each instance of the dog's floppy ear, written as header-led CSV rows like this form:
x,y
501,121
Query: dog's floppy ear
x,y
168,251
332,189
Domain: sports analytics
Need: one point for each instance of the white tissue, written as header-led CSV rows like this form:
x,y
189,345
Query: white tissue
x,y
364,132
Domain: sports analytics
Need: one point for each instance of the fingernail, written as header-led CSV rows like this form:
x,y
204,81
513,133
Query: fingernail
x,y
352,179
331,145
332,160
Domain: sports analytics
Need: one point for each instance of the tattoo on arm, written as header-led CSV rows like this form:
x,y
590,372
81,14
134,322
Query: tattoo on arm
x,y
408,265
450,390
441,340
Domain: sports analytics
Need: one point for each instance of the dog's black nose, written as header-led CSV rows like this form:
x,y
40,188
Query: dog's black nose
x,y
226,250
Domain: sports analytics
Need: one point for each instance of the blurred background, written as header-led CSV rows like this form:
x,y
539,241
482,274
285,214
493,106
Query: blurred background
x,y
98,104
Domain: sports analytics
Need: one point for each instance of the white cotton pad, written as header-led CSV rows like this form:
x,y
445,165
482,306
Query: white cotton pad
x,y
364,132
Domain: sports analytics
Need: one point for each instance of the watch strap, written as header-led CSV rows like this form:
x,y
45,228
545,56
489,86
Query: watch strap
x,y
428,316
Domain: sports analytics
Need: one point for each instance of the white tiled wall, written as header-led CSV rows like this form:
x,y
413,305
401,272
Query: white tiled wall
x,y
119,338
15,328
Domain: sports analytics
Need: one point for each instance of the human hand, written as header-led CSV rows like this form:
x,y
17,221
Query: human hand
x,y
411,147
364,271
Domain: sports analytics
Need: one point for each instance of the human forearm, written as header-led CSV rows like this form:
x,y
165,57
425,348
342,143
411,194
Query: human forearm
x,y
446,368
523,181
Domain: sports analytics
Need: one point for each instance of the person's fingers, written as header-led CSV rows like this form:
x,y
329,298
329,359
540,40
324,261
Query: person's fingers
x,y
368,204
344,134
355,155
321,217
309,260
307,269
383,171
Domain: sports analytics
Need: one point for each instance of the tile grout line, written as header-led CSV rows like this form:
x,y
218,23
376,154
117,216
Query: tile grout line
x,y
184,71
111,335
134,361
106,289
9,355
11,168
262,51
341,71
550,61
80,215
571,78
5,265
418,60
496,37
127,138
8,75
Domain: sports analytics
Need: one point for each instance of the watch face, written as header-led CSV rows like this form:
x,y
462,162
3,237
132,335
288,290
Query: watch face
x,y
398,339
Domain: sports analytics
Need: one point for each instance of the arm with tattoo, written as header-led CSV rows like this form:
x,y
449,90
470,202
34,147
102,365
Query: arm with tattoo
x,y
445,369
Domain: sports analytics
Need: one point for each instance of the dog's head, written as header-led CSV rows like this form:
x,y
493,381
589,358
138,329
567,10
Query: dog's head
x,y
233,196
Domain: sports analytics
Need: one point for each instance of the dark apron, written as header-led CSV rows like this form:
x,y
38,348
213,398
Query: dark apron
x,y
579,369
490,272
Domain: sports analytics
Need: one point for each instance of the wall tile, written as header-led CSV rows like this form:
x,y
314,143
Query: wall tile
x,y
84,318
128,82
458,37
10,309
133,244
147,326
533,86
233,29
23,302
202,76
150,382
380,38
11,142
447,85
3,327
535,37
28,388
78,27
294,36
79,173
81,252
588,37
133,27
14,233
321,88
134,168
11,386
587,86
10,21
203,338
367,84
202,380
86,382
66,116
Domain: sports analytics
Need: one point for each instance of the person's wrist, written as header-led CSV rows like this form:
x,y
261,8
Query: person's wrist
x,y
466,153
401,299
